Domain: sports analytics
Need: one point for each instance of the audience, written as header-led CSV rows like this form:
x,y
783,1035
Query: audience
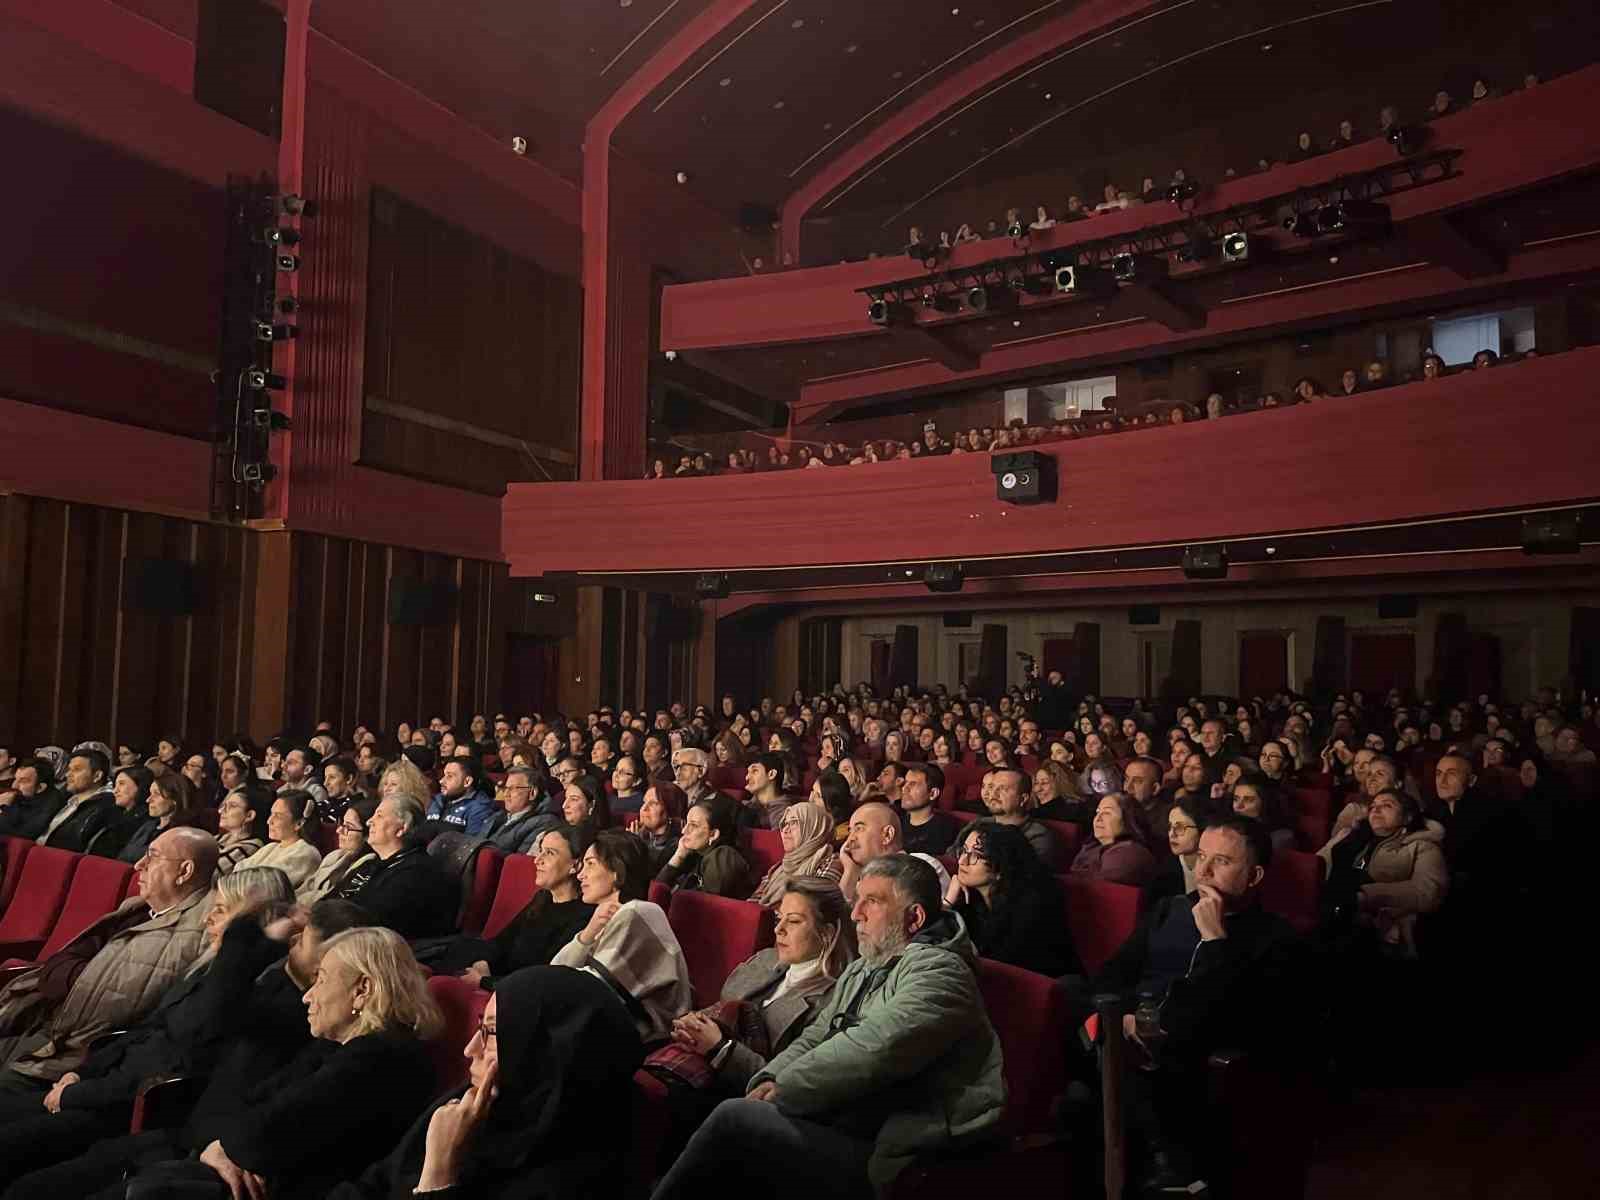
x,y
1119,851
807,833
1009,901
293,813
352,854
1174,873
89,806
707,857
402,889
925,829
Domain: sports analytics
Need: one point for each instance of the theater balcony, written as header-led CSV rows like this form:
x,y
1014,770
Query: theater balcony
x,y
1424,478
1493,201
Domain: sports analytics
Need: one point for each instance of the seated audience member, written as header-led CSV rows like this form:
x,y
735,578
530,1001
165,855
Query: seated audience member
x,y
1477,830
241,827
1209,969
831,792
42,1124
628,781
340,1103
115,971
130,789
1058,795
1255,797
583,800
889,780
925,829
1141,783
875,832
89,807
659,823
1274,761
1569,747
549,921
901,1062
460,803
291,816
553,1055
350,855
766,803
627,942
31,801
1174,873
1009,901
404,889
1009,800
521,817
689,767
707,857
807,834
1119,851
1374,773
1386,871
1376,376
768,999
341,782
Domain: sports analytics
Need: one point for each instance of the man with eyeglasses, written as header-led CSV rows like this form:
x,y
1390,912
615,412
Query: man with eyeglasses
x,y
114,972
519,824
689,767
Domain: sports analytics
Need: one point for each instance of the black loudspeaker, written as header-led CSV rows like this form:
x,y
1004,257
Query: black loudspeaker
x,y
418,602
1205,562
1397,608
944,577
238,62
958,620
1144,614
166,586
1026,477
711,585
757,218
1550,533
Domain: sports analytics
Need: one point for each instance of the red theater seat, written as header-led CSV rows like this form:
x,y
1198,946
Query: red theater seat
x,y
717,934
1293,888
727,777
462,1006
12,851
1069,837
1100,916
765,851
98,886
40,894
513,890
485,876
660,894
1029,1014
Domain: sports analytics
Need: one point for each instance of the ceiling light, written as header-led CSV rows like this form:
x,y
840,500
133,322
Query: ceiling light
x,y
1016,324
624,3
777,104
725,81
672,356
798,23
851,48
682,177
1048,96
1266,46
955,12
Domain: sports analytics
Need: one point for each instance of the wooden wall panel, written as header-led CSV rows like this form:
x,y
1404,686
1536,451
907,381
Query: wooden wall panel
x,y
290,629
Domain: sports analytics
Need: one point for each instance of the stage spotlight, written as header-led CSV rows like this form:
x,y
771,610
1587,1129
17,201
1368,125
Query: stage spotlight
x,y
257,380
1188,189
288,305
986,298
933,300
1020,281
1236,247
266,331
259,473
887,312
1409,139
943,577
1016,231
1301,224
1079,278
280,235
1352,216
288,263
711,585
1205,562
271,420
297,206
1125,268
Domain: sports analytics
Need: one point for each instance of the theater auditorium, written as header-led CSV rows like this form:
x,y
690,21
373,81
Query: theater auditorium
x,y
678,599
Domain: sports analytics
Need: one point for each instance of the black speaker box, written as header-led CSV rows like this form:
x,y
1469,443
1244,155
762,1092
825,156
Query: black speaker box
x,y
711,585
1144,614
1205,562
943,577
1025,477
1550,533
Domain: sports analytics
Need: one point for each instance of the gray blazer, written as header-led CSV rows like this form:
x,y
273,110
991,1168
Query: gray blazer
x,y
753,981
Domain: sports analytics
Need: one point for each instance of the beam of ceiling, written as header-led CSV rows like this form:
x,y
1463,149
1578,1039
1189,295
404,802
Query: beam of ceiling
x,y
1155,302
1440,239
1081,22
923,342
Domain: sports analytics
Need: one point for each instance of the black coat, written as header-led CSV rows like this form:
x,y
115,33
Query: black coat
x,y
411,895
532,938
1029,930
1248,990
78,830
29,816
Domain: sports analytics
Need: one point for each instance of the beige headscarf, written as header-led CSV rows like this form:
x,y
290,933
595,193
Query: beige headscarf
x,y
810,857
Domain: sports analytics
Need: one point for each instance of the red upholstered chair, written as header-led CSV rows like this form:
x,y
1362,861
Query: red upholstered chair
x,y
1313,818
1030,763
651,1119
130,889
1100,916
1069,837
726,778
972,800
326,837
660,894
40,894
462,1006
12,851
957,779
513,890
206,818
98,886
765,851
717,934
1293,888
486,870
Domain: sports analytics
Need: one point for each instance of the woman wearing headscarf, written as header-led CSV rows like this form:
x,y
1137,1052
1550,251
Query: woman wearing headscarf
x,y
57,758
807,832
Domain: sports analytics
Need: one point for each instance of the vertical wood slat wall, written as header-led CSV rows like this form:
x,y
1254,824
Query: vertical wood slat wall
x,y
292,629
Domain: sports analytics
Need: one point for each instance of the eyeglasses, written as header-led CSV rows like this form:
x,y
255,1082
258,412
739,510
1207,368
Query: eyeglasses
x,y
346,828
972,856
1181,828
485,1033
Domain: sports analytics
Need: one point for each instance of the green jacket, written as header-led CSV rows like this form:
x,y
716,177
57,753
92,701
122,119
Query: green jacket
x,y
918,1070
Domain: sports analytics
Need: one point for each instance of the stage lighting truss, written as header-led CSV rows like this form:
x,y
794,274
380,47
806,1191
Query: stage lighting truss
x,y
1210,239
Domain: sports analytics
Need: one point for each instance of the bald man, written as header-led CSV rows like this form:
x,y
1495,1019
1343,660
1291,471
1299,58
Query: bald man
x,y
112,973
874,833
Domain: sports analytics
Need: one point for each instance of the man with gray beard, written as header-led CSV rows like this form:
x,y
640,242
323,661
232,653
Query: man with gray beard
x,y
901,1062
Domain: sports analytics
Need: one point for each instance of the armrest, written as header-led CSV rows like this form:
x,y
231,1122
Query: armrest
x,y
1113,1052
164,1102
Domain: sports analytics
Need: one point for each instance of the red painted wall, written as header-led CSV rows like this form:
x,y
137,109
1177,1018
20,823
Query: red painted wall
x,y
1439,448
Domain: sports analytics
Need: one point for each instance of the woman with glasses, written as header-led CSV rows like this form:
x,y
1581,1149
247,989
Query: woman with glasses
x,y
1009,901
1174,874
350,856
627,786
241,828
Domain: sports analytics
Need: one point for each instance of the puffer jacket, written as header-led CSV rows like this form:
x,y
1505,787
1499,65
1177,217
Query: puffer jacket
x,y
117,987
1409,877
914,1064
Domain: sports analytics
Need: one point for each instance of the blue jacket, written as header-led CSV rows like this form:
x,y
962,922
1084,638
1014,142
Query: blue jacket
x,y
470,813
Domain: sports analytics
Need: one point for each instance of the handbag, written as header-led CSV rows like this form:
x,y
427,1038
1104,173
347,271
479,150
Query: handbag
x,y
739,1021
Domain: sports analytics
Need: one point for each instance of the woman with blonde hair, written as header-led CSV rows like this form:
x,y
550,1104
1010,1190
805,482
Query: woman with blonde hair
x,y
403,778
852,774
807,832
728,750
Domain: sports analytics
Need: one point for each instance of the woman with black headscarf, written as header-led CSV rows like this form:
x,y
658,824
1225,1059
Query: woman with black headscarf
x,y
554,1052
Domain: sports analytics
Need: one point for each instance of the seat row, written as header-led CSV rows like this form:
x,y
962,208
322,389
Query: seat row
x,y
49,896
